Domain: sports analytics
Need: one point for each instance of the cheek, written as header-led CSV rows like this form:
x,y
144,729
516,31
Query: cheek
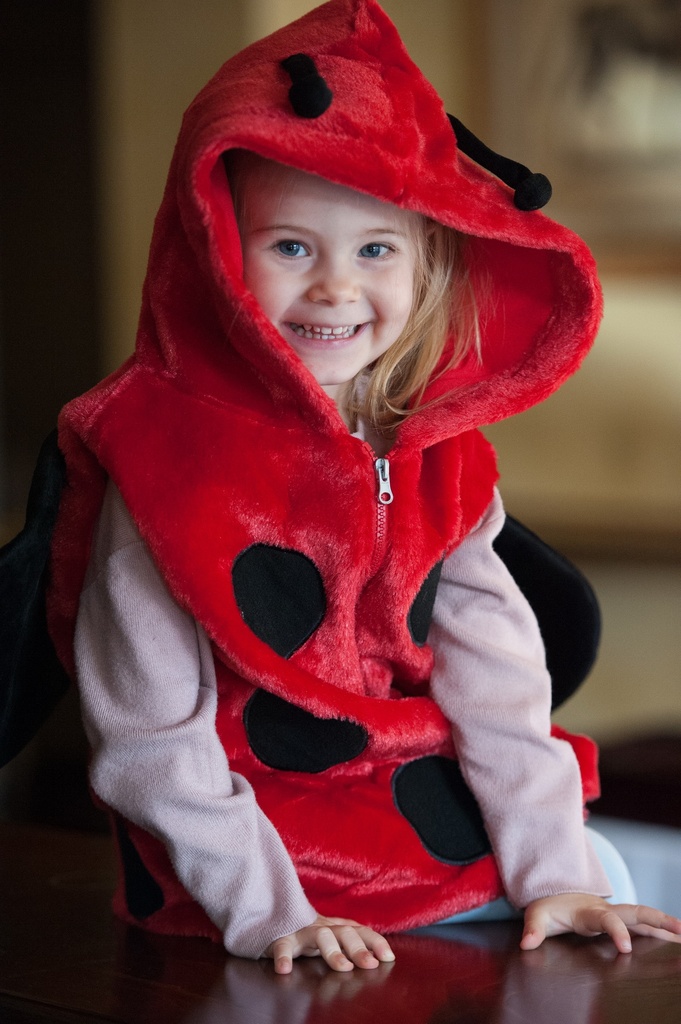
x,y
265,286
250,274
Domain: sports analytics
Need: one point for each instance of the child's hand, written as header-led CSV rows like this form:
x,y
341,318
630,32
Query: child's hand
x,y
343,944
592,915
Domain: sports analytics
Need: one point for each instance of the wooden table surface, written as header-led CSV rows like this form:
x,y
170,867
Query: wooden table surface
x,y
64,958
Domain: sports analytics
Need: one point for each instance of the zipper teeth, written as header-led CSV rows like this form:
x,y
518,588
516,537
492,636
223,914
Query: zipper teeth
x,y
380,523
380,535
382,470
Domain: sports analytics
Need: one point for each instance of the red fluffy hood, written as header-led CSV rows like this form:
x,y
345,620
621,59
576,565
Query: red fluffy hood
x,y
385,133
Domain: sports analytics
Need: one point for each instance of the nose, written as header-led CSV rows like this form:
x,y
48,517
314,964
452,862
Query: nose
x,y
334,285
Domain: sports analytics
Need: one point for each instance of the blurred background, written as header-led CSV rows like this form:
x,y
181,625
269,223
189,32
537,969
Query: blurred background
x,y
588,92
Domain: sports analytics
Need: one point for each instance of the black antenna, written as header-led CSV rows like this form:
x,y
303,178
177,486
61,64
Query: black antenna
x,y
309,94
532,191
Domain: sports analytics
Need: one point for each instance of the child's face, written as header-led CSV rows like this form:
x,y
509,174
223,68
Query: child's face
x,y
332,269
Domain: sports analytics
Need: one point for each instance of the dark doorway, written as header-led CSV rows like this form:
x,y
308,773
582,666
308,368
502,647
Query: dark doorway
x,y
49,336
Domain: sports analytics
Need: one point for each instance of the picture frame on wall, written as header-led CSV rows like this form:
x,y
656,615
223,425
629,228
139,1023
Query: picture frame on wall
x,y
589,93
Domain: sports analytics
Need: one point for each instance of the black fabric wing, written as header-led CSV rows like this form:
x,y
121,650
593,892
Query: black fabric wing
x,y
563,601
32,679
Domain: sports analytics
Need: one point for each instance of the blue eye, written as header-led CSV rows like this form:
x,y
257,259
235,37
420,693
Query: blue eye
x,y
373,250
289,248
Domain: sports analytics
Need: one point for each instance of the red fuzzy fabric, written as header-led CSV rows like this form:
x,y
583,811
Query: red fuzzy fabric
x,y
219,439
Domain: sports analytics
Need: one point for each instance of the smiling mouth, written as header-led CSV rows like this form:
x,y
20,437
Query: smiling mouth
x,y
324,333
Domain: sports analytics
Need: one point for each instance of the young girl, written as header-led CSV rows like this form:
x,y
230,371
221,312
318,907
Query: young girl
x,y
314,694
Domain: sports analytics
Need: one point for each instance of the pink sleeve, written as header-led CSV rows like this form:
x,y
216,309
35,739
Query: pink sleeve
x,y
148,694
490,680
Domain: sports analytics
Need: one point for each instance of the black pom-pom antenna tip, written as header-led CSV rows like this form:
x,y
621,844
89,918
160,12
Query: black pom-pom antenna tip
x,y
532,191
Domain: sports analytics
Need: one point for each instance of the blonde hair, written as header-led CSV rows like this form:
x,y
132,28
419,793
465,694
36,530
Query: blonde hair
x,y
444,307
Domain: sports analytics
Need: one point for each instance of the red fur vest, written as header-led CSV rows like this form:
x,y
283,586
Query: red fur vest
x,y
262,511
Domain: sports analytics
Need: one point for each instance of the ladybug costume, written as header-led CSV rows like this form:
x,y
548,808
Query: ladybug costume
x,y
272,526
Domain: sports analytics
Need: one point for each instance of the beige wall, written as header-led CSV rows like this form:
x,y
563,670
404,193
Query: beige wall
x,y
153,57
634,687
604,452
606,449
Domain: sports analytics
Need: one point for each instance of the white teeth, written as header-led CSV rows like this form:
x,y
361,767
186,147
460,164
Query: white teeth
x,y
312,331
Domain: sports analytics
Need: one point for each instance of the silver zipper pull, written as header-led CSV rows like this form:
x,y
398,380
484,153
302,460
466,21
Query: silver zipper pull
x,y
385,493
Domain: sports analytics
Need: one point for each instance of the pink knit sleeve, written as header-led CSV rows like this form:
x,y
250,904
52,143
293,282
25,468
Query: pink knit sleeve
x,y
148,695
490,680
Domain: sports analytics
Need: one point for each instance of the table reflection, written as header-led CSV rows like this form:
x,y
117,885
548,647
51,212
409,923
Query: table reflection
x,y
457,975
62,952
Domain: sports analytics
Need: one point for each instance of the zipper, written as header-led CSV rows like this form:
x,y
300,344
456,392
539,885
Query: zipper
x,y
385,492
384,496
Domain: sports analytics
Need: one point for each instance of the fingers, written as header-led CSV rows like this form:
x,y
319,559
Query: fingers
x,y
599,921
343,945
619,920
281,952
648,921
346,946
583,915
534,930
592,915
343,948
378,944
